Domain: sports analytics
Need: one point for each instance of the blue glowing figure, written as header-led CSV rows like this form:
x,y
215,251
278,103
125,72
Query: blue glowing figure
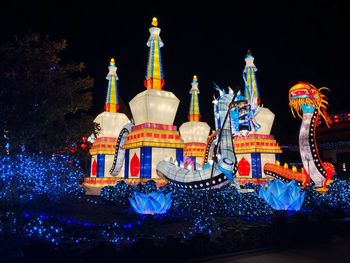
x,y
153,203
282,196
242,116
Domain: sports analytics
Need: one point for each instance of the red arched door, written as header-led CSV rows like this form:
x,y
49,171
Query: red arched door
x,y
94,168
135,166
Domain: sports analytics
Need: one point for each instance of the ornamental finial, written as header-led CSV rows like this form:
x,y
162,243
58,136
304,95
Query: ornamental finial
x,y
195,78
154,21
112,61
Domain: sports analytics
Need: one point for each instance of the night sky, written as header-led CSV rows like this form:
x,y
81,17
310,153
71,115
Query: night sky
x,y
291,41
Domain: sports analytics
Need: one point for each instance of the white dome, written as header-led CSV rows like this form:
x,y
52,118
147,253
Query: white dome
x,y
110,123
194,131
155,106
265,118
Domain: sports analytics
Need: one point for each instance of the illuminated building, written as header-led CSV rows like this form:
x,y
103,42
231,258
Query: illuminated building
x,y
194,132
154,137
258,147
110,122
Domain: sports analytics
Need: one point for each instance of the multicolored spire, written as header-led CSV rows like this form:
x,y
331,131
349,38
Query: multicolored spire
x,y
251,90
194,113
112,92
154,72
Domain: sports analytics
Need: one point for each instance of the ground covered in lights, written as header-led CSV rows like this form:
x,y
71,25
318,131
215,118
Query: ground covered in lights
x,y
45,215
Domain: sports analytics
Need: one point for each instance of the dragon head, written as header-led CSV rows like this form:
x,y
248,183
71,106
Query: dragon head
x,y
303,96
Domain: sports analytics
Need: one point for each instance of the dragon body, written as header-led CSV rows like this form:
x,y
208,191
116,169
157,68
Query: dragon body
x,y
308,103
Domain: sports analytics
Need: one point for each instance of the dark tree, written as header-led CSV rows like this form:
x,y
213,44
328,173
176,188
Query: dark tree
x,y
44,103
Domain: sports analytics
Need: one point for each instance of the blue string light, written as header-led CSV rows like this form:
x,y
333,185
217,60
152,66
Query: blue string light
x,y
24,178
27,178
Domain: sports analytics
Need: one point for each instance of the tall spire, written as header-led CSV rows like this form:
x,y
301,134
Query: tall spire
x,y
154,72
194,113
251,90
112,92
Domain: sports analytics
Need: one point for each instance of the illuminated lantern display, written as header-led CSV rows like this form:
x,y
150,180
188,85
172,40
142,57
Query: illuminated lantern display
x,y
110,123
224,170
153,203
154,137
259,146
282,196
309,104
240,124
194,132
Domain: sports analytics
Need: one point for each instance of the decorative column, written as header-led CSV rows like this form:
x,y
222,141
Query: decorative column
x,y
194,132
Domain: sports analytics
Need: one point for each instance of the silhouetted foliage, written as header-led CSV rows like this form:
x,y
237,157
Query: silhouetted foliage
x,y
44,102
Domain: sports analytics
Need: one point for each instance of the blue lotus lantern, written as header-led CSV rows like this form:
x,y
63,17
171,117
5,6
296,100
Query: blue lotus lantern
x,y
283,196
153,203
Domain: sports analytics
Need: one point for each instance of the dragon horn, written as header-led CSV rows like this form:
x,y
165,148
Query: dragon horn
x,y
312,86
324,88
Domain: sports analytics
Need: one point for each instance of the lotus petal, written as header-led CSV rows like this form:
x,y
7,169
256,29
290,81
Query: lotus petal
x,y
153,203
296,205
134,205
282,196
275,203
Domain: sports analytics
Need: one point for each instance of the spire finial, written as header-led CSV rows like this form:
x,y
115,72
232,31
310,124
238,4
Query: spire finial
x,y
251,91
154,71
154,21
111,104
194,112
